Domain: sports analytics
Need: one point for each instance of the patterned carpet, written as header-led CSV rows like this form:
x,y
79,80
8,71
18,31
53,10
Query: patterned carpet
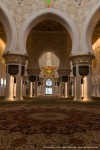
x,y
42,127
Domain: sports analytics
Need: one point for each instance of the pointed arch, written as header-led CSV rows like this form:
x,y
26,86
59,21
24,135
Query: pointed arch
x,y
9,27
88,28
45,14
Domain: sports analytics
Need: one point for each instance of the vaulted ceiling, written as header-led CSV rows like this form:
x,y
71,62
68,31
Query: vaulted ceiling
x,y
49,25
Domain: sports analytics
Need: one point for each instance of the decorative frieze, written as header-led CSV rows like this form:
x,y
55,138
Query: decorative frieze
x,y
82,59
15,58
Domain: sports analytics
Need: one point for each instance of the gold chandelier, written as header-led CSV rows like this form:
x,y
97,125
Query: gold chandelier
x,y
49,71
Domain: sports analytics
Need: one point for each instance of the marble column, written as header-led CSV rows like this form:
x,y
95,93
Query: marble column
x,y
36,86
24,88
72,88
59,91
19,82
14,89
1,87
39,89
87,87
56,89
82,60
77,85
17,60
9,87
67,89
33,89
42,88
82,90
99,87
30,89
94,89
0,90
98,90
61,87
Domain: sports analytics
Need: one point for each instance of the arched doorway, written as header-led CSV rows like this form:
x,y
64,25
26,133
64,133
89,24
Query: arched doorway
x,y
7,44
49,64
38,18
90,44
96,61
2,61
48,86
52,14
88,29
50,43
9,28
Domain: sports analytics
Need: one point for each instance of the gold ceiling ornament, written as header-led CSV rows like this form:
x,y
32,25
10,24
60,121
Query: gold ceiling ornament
x,y
49,71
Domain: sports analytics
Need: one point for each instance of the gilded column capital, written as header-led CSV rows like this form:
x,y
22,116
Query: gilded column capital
x,y
15,58
82,59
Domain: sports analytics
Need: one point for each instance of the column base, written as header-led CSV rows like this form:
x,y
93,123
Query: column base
x,y
67,97
19,99
30,96
9,99
87,100
76,99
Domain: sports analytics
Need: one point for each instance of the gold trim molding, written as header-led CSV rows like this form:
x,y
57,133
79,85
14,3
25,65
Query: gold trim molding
x,y
15,58
82,59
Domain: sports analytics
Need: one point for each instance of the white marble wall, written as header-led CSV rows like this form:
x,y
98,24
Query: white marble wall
x,y
96,69
77,10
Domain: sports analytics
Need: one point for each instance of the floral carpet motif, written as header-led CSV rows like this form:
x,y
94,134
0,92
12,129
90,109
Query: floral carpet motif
x,y
69,127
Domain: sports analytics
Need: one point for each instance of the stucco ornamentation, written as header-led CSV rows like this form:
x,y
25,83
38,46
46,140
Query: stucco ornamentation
x,y
75,9
82,59
15,58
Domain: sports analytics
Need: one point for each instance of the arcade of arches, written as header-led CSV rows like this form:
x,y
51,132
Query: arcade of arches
x,y
51,60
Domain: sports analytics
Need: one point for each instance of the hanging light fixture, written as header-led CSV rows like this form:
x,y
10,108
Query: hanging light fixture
x,y
49,71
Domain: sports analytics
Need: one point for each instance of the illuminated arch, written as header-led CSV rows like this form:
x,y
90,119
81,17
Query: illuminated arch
x,y
88,28
9,28
46,14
